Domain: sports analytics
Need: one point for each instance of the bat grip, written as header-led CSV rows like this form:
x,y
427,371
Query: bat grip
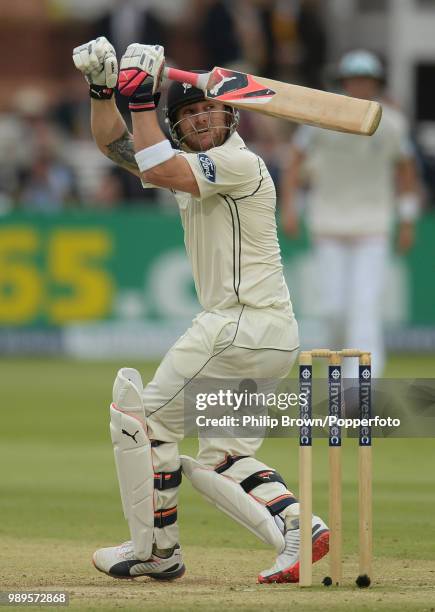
x,y
196,79
182,76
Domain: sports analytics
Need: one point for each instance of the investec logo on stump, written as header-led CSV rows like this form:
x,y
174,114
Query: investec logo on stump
x,y
365,434
335,406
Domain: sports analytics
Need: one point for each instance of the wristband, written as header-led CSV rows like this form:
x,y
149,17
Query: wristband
x,y
408,207
100,92
143,102
140,107
154,155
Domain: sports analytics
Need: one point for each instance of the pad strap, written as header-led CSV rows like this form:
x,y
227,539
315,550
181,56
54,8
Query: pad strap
x,y
227,495
277,505
259,478
165,517
155,443
167,480
228,462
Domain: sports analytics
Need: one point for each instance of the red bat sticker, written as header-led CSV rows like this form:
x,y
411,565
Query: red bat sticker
x,y
227,85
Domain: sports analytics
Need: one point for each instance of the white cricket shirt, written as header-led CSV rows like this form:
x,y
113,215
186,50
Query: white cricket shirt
x,y
230,231
231,240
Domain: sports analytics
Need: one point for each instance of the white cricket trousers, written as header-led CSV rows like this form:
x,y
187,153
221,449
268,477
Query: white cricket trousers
x,y
350,279
208,350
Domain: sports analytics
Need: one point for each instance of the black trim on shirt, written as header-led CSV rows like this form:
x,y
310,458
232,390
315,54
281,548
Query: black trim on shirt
x,y
237,274
268,348
237,234
258,186
240,247
237,278
234,247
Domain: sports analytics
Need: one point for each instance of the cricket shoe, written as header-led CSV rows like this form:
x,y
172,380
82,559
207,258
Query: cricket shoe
x,y
121,562
286,566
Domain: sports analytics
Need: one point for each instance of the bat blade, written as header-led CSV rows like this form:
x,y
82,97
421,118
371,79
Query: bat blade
x,y
291,102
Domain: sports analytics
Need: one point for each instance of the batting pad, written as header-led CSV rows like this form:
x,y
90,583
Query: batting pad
x,y
128,391
228,496
132,450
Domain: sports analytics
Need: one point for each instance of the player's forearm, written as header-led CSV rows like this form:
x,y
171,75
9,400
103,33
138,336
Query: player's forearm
x,y
97,61
290,183
146,134
408,189
407,177
159,164
288,192
111,134
107,123
146,130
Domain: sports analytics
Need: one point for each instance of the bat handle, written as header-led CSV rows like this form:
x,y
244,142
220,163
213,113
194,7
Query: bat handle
x,y
183,76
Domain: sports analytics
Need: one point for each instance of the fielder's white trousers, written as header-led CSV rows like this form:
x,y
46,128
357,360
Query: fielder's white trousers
x,y
351,276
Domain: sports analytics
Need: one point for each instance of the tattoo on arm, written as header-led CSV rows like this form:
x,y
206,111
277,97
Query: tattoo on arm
x,y
121,151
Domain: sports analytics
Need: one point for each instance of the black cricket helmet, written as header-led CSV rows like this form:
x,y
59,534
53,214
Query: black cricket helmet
x,y
182,94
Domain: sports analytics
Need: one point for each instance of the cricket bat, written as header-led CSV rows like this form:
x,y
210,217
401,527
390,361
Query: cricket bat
x,y
292,102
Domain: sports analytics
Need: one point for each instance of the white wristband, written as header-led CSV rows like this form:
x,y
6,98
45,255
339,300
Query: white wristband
x,y
408,207
154,155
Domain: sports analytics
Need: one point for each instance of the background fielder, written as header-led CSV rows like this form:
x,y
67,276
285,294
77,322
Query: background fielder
x,y
247,329
353,187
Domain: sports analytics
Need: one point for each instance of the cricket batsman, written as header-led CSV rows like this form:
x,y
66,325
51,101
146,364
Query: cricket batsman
x,y
246,330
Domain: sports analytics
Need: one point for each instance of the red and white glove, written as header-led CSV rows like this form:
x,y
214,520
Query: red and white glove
x,y
140,76
97,61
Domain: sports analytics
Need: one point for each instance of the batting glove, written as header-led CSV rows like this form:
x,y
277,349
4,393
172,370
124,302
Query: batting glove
x,y
140,76
97,61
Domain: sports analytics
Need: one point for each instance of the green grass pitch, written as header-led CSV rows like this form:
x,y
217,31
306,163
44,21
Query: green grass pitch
x,y
59,500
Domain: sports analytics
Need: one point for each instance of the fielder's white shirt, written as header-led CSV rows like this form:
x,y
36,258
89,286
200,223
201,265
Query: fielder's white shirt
x,y
352,178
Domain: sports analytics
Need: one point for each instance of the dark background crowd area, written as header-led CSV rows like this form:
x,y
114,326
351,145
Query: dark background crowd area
x,y
48,161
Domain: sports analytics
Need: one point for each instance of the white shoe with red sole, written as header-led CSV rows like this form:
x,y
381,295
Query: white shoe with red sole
x,y
286,566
